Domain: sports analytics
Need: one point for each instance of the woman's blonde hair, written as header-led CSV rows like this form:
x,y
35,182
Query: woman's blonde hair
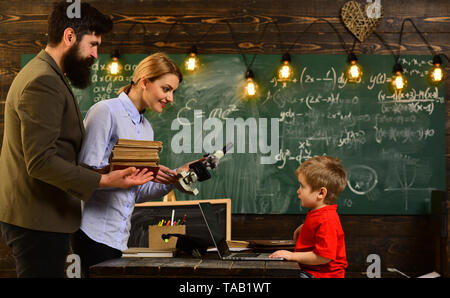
x,y
152,68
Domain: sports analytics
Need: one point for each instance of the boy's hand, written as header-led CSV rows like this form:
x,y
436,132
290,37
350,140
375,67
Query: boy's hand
x,y
282,254
296,232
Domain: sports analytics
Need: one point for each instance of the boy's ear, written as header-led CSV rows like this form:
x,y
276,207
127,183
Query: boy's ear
x,y
322,193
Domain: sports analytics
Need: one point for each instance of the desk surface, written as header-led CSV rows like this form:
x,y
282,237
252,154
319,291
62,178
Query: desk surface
x,y
192,267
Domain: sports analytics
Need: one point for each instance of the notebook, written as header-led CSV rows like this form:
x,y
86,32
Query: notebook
x,y
219,239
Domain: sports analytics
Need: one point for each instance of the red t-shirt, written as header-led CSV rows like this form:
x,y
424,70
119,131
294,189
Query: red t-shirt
x,y
322,233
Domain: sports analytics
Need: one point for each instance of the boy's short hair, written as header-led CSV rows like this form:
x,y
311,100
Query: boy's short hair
x,y
90,21
324,171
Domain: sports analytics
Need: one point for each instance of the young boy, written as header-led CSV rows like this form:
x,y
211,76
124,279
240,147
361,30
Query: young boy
x,y
320,246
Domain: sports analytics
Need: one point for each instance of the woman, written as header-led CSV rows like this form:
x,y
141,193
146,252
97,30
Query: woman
x,y
105,225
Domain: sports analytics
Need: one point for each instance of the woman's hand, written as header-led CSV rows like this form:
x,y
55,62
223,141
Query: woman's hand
x,y
185,167
166,175
126,178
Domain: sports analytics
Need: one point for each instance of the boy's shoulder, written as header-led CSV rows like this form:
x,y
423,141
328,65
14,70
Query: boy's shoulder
x,y
326,213
327,209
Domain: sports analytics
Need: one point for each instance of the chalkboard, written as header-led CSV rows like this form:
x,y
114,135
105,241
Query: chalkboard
x,y
393,149
151,213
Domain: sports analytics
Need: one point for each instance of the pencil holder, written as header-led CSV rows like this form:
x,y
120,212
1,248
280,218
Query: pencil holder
x,y
155,233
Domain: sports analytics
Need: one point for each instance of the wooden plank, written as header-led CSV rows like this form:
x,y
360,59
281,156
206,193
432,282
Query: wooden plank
x,y
310,43
210,267
248,268
114,267
183,267
192,267
282,269
18,14
145,266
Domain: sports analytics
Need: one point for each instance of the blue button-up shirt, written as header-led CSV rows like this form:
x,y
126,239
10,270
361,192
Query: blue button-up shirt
x,y
107,214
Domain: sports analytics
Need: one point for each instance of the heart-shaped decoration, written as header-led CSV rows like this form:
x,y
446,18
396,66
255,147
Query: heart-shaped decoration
x,y
361,21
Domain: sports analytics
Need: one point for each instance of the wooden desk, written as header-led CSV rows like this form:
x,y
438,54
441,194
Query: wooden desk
x,y
192,267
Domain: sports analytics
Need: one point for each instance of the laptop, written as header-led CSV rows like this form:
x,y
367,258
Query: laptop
x,y
220,242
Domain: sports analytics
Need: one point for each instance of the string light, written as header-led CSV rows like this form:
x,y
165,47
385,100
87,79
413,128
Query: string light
x,y
250,88
285,72
192,63
399,81
436,75
354,71
114,67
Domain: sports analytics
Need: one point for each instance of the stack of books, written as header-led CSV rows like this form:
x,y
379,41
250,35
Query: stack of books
x,y
135,153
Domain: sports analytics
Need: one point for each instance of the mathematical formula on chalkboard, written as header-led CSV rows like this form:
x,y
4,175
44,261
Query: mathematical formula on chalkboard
x,y
392,145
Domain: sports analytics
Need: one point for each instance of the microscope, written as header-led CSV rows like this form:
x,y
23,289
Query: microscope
x,y
199,171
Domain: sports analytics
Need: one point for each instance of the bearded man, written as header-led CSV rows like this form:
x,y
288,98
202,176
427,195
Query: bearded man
x,y
41,183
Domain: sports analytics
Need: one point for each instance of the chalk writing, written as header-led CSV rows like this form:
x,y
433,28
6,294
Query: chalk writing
x,y
386,141
361,179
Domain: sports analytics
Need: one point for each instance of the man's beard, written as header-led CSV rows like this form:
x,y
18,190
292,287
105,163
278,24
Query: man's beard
x,y
77,69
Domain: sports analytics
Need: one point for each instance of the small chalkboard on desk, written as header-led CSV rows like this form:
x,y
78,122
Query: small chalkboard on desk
x,y
151,213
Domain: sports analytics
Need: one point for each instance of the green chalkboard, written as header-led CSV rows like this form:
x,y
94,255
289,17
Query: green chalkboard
x,y
393,149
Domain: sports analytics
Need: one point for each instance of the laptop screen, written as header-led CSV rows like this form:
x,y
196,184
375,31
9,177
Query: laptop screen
x,y
217,234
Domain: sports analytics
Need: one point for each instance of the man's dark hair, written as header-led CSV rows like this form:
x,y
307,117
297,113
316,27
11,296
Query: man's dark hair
x,y
90,21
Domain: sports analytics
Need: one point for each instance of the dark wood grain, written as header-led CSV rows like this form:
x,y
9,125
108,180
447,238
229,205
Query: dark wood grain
x,y
402,241
193,267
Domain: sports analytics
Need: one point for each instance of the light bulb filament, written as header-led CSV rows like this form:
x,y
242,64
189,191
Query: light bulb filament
x,y
250,88
437,74
114,67
354,71
285,72
192,62
398,82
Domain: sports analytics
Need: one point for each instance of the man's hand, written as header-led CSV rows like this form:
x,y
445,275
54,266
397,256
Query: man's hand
x,y
126,178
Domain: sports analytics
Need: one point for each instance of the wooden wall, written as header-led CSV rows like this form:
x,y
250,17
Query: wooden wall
x,y
402,242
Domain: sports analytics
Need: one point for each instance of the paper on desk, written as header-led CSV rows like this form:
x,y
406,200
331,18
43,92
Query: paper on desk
x,y
234,249
433,274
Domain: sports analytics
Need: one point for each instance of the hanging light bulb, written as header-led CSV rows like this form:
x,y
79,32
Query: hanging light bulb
x,y
114,67
192,63
250,87
354,71
437,74
399,81
285,72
